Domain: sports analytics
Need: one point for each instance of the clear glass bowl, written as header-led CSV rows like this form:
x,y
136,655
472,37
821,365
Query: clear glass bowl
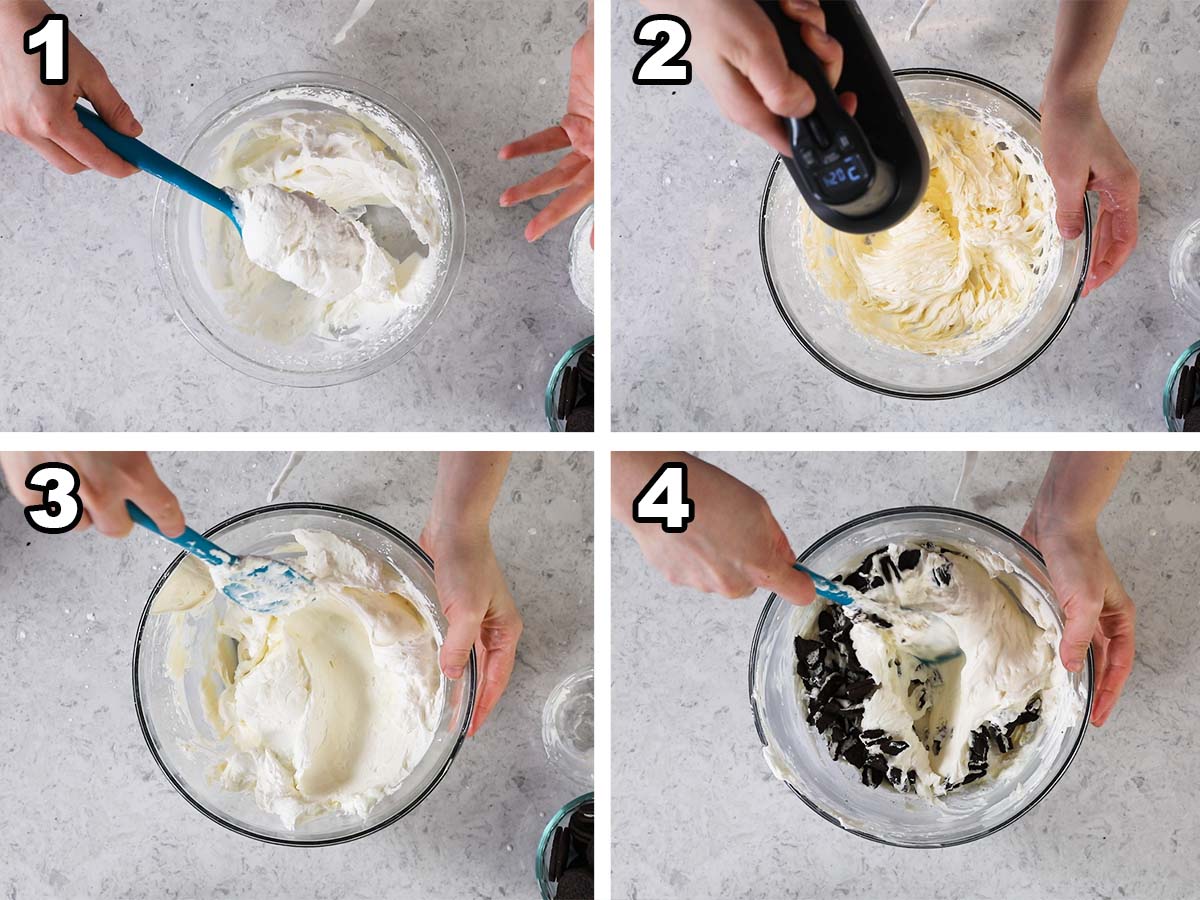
x,y
168,726
180,251
822,325
1184,269
555,382
832,789
1174,424
568,727
583,260
541,863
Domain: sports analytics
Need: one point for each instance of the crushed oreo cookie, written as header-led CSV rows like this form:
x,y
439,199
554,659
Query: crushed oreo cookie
x,y
576,393
836,685
571,866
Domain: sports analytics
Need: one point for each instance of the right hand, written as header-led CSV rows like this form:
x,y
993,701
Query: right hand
x,y
107,481
736,52
733,546
43,116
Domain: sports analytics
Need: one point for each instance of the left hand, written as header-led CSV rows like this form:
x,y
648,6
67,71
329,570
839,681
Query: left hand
x,y
1098,611
479,607
1082,154
574,174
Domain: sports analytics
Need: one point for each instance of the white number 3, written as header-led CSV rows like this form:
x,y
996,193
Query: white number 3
x,y
60,509
664,500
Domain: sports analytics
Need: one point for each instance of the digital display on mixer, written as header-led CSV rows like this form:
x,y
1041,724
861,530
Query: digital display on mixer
x,y
849,170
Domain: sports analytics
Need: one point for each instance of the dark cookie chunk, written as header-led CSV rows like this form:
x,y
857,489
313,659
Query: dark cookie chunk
x,y
892,747
575,884
559,848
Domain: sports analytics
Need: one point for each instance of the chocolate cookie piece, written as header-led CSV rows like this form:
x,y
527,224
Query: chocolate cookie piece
x,y
892,747
575,884
908,559
1191,422
582,419
559,848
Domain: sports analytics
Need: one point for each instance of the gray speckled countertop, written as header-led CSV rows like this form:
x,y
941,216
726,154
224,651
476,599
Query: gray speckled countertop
x,y
78,262
89,814
698,344
697,814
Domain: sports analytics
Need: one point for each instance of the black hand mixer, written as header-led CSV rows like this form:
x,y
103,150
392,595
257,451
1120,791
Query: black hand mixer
x,y
861,173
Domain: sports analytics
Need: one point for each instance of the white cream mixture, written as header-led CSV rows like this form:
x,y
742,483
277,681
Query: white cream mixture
x,y
326,709
1009,658
974,258
299,267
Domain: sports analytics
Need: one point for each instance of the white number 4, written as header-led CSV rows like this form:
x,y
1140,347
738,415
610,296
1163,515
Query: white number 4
x,y
50,40
664,500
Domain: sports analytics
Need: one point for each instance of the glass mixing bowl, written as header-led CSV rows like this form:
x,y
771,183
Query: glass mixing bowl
x,y
823,326
1172,386
181,254
169,726
832,789
541,862
555,382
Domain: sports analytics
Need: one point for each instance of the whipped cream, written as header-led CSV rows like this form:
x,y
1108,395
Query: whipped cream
x,y
972,261
325,709
940,726
306,263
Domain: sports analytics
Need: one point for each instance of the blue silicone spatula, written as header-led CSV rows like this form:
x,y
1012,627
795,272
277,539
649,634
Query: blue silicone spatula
x,y
938,642
284,586
136,153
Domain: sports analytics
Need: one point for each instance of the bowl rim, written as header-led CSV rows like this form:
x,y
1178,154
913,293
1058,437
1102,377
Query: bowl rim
x,y
777,165
142,718
165,262
1168,405
950,512
551,394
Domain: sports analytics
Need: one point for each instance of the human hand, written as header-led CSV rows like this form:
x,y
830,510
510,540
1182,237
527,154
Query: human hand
x,y
737,53
731,547
479,608
43,116
574,174
107,480
1098,611
1082,154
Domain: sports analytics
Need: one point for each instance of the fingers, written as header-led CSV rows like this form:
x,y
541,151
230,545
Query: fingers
x,y
107,509
1077,635
783,92
826,49
57,156
546,183
849,101
157,501
68,132
1070,183
792,585
460,638
742,106
498,665
1117,228
1121,629
564,206
546,141
805,11
110,104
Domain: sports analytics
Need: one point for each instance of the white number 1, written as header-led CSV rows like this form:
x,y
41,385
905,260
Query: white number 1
x,y
50,40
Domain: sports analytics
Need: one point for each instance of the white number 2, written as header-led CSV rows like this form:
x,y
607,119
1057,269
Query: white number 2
x,y
50,40
670,38
664,500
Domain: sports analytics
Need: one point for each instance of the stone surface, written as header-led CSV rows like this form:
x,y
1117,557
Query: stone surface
x,y
90,341
89,814
698,344
697,813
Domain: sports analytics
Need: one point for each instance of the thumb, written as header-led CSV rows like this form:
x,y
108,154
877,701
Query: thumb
x,y
1070,184
793,586
110,105
460,638
1077,637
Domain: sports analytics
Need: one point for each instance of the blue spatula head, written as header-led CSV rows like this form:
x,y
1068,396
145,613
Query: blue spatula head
x,y
264,585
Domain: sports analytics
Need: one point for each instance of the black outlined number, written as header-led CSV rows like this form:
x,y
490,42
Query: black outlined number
x,y
670,37
60,509
664,500
50,40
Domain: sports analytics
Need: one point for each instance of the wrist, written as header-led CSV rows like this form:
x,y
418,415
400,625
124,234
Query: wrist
x,y
460,530
1070,88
